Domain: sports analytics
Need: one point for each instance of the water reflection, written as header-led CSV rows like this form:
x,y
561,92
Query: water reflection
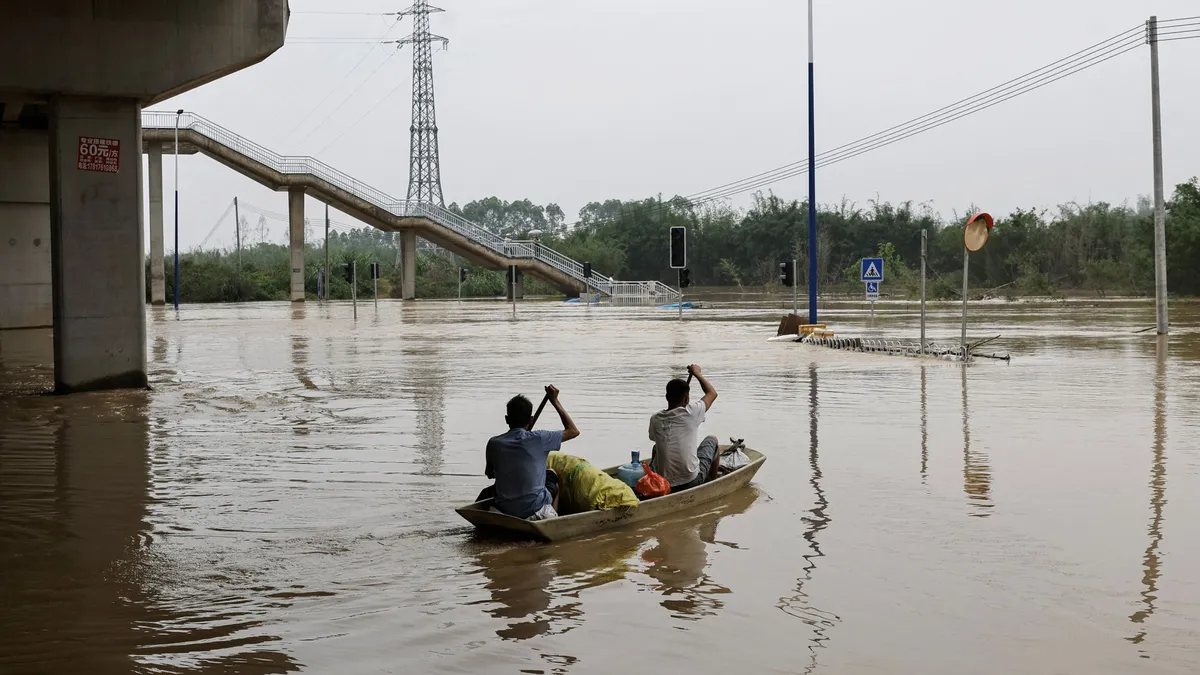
x,y
300,361
80,557
924,432
799,605
535,588
427,384
977,475
1158,498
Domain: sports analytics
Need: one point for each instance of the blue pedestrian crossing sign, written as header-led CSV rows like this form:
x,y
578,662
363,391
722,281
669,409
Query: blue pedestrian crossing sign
x,y
872,269
872,289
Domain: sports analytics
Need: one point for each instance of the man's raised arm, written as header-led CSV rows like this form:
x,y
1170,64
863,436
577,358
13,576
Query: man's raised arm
x,y
710,392
569,429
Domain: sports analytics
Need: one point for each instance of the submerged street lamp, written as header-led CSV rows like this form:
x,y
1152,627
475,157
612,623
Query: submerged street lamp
x,y
178,114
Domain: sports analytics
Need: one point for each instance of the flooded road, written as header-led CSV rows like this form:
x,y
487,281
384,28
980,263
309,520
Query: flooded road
x,y
282,500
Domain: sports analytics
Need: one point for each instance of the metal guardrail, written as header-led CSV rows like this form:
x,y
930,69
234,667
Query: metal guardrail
x,y
646,290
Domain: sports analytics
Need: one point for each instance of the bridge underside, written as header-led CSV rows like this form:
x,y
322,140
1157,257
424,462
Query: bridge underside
x,y
162,141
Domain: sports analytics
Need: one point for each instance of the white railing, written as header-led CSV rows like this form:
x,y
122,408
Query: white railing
x,y
646,290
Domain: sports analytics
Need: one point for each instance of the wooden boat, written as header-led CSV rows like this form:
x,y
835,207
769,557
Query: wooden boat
x,y
480,515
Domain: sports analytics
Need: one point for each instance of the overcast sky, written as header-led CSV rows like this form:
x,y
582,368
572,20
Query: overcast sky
x,y
571,101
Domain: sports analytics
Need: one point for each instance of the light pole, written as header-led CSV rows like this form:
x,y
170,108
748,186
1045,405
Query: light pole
x,y
178,114
812,179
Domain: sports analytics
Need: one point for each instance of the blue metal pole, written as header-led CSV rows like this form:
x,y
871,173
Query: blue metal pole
x,y
177,115
812,179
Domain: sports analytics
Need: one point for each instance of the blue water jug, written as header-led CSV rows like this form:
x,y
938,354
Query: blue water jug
x,y
632,472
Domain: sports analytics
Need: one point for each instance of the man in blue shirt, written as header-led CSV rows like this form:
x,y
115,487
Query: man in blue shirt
x,y
517,460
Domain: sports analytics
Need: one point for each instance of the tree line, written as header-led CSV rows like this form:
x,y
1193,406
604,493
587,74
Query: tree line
x,y
1097,248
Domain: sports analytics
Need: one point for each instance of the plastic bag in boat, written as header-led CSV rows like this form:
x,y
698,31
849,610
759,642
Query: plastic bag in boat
x,y
734,460
583,487
652,484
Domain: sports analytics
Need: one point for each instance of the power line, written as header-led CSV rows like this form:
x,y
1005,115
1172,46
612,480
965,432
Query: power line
x,y
348,74
1096,54
963,103
220,220
352,93
361,118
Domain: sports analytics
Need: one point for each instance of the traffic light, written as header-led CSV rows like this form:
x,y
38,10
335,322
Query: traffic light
x,y
678,247
462,275
787,274
587,270
348,271
685,278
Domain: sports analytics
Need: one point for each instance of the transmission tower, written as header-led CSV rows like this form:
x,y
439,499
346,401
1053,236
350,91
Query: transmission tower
x,y
424,170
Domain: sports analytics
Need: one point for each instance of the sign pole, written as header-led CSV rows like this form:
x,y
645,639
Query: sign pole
x,y
375,280
354,286
966,264
924,253
460,271
327,253
679,276
512,272
795,287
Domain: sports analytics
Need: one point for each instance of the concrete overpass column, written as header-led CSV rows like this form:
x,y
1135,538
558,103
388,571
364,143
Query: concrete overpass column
x,y
408,267
296,240
26,295
158,286
97,248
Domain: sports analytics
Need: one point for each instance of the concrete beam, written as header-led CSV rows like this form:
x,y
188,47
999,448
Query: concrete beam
x,y
296,241
147,50
158,284
97,249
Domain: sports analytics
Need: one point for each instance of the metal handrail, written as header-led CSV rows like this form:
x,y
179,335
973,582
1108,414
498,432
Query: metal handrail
x,y
399,207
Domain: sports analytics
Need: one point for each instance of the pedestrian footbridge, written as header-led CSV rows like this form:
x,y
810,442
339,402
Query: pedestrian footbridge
x,y
307,176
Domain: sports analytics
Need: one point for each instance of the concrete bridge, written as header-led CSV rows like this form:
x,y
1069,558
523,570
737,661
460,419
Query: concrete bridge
x,y
301,176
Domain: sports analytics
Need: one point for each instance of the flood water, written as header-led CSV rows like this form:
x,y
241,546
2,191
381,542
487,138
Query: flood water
x,y
283,499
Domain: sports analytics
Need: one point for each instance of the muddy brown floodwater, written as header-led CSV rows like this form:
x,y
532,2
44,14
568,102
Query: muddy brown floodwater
x,y
283,499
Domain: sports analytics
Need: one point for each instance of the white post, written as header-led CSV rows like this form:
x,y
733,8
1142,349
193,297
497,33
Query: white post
x,y
679,276
512,271
924,253
966,263
354,286
1160,212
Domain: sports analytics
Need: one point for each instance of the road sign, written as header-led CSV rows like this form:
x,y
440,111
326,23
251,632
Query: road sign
x,y
872,269
872,290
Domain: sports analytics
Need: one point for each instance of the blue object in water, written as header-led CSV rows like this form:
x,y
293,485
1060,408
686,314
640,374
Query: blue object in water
x,y
632,472
675,305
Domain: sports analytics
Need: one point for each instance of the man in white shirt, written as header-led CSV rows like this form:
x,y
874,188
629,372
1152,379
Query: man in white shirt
x,y
676,455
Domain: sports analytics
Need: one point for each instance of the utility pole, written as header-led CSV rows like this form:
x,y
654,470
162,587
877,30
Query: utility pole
x,y
812,179
1160,208
237,221
327,253
424,170
924,254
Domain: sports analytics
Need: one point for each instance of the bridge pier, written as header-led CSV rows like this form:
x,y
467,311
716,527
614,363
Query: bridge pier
x,y
158,285
296,240
83,75
96,246
408,264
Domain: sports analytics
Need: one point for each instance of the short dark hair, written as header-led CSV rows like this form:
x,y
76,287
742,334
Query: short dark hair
x,y
519,411
677,390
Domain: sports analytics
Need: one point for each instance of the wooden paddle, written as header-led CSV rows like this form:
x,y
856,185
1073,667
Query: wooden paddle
x,y
536,415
